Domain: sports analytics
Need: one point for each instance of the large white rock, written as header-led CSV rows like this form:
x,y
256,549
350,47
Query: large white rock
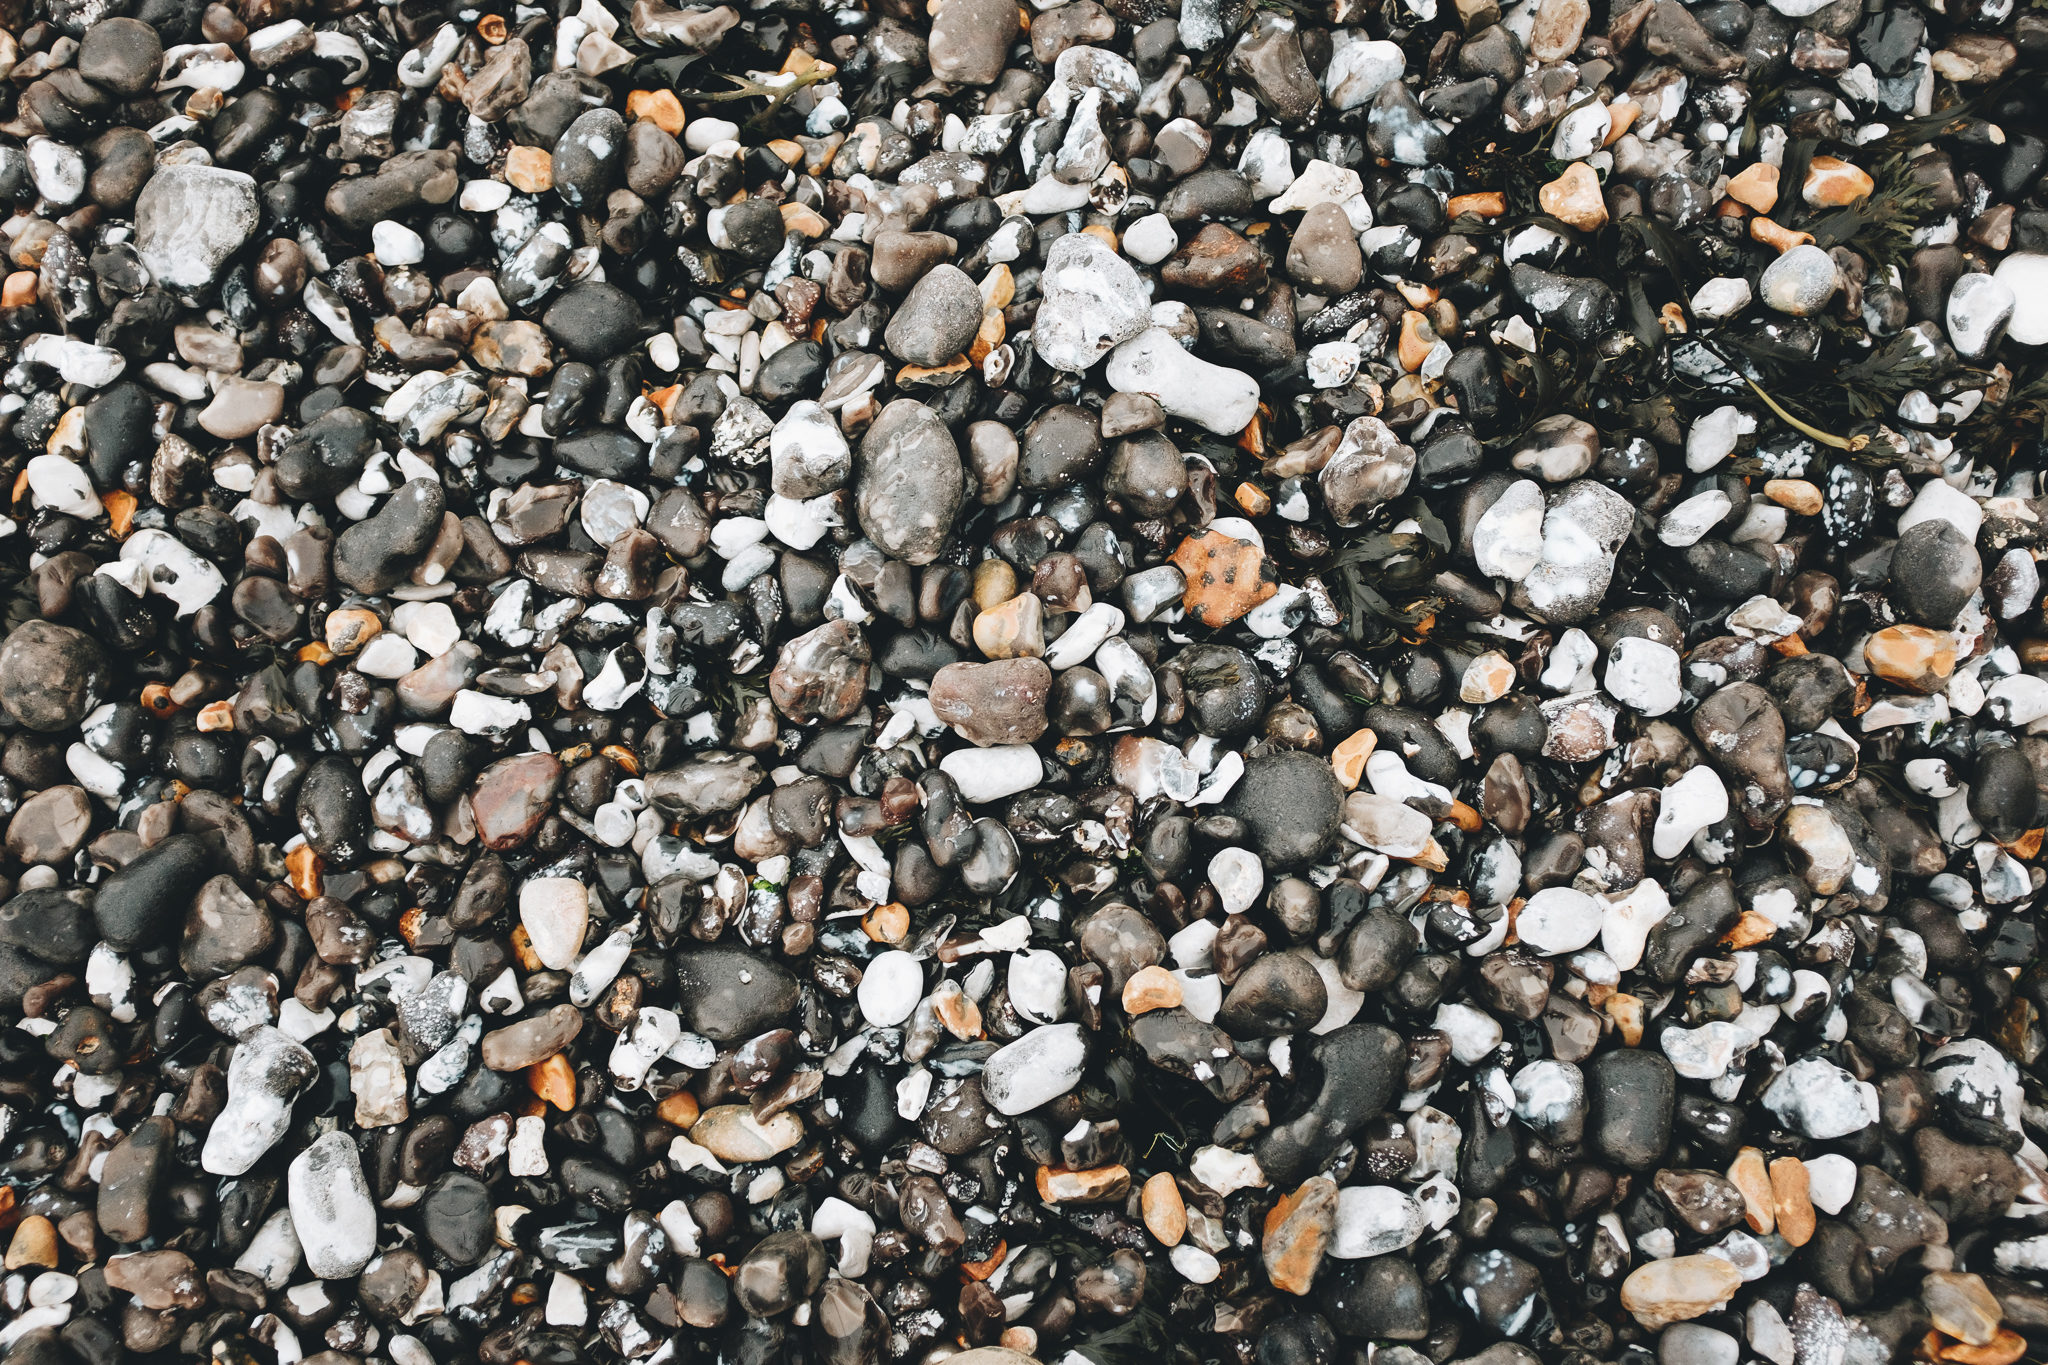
x,y
1815,1097
1373,1220
1508,541
2025,273
1559,919
331,1208
1696,800
189,219
555,912
890,987
993,773
1093,300
1039,1067
1154,364
265,1074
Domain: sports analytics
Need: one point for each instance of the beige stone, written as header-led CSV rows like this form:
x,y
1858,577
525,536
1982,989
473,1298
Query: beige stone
x,y
730,1132
1796,1220
1755,187
1166,1213
1679,1289
1832,183
1749,1174
1574,198
1151,988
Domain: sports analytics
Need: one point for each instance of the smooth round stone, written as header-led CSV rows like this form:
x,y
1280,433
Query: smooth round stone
x,y
2025,273
890,987
555,912
1151,239
1800,282
1558,919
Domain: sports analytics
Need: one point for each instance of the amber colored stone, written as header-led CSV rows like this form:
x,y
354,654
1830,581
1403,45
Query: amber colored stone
x,y
1833,183
1226,577
1796,1219
1102,1185
1627,1013
1574,197
1755,187
1347,760
1166,1213
1482,203
1794,495
34,1244
679,1109
1913,657
2005,1348
530,170
1780,238
1151,988
120,505
887,923
1298,1232
1749,1174
554,1080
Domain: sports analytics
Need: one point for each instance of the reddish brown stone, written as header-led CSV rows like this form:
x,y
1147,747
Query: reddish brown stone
x,y
512,797
1226,577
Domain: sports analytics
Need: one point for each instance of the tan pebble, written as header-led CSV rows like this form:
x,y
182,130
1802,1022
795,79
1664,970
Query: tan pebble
x,y
987,337
1914,657
1166,1213
1348,758
348,631
1020,1339
659,107
1487,678
1482,203
216,716
1780,239
886,923
1014,630
1750,930
303,867
1151,988
805,219
530,170
679,1109
1755,187
2005,1348
19,291
1226,577
995,583
1102,1185
1962,1306
1794,495
1621,116
959,1015
34,1244
1252,499
1752,1178
1627,1013
1796,1220
1416,342
1574,197
1833,183
1679,1289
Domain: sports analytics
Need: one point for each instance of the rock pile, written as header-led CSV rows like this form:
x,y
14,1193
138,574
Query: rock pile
x,y
1116,680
